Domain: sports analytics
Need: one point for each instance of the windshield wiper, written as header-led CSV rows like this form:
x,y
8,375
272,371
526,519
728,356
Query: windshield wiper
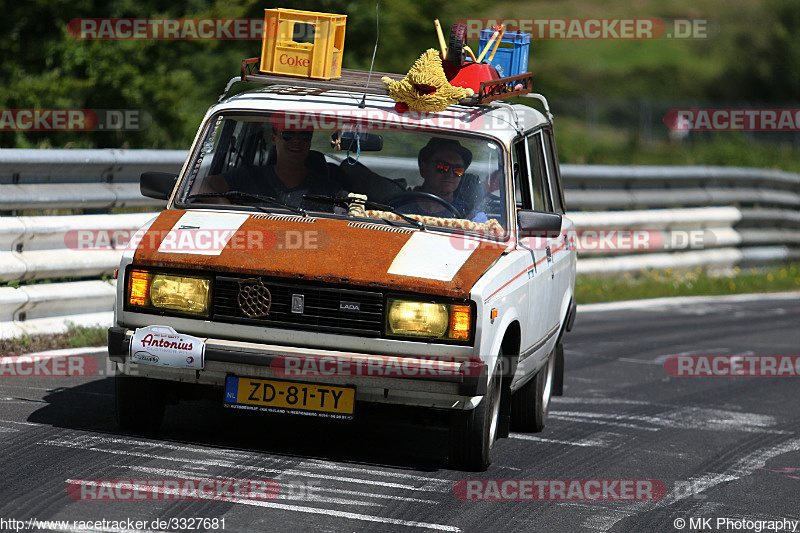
x,y
369,204
239,195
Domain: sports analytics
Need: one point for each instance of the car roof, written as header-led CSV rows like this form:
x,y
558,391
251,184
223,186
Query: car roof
x,y
498,119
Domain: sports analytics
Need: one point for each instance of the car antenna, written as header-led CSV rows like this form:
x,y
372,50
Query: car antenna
x,y
363,103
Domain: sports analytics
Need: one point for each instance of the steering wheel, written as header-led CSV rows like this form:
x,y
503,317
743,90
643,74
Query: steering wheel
x,y
407,195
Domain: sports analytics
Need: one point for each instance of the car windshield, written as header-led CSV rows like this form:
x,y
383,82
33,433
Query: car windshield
x,y
440,179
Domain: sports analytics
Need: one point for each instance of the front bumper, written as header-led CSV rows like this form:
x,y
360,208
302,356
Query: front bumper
x,y
378,378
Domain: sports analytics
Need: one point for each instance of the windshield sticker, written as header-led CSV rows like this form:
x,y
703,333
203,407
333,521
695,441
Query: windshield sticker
x,y
429,256
202,233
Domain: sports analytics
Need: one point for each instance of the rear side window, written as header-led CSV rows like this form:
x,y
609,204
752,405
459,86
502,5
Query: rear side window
x,y
540,183
553,171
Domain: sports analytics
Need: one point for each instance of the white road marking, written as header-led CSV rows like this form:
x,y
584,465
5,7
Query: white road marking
x,y
333,466
20,423
604,419
661,358
582,443
352,516
67,443
167,446
168,473
743,467
598,401
145,488
683,418
311,510
694,486
242,456
86,350
655,303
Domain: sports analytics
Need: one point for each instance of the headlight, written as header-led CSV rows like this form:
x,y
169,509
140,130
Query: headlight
x,y
171,292
406,318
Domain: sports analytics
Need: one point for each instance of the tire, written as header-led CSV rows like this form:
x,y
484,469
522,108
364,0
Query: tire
x,y
530,404
473,433
455,49
558,376
138,403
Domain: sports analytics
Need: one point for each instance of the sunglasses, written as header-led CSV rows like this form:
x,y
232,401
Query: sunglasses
x,y
443,167
304,135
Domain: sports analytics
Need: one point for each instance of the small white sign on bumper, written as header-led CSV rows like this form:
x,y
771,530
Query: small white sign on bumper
x,y
163,346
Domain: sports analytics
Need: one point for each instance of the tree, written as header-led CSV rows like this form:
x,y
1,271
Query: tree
x,y
171,81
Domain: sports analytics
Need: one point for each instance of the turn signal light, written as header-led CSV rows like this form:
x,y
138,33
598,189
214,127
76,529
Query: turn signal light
x,y
460,322
139,292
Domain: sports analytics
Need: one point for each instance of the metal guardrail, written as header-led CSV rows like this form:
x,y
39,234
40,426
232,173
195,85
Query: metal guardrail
x,y
80,179
31,166
739,215
69,246
50,307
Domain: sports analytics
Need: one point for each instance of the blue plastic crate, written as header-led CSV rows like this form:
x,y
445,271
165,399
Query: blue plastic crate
x,y
511,59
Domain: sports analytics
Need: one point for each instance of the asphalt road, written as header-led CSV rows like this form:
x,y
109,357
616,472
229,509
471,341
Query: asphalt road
x,y
723,447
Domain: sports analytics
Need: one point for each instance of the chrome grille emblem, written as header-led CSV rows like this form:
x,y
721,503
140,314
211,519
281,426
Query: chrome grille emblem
x,y
298,303
254,298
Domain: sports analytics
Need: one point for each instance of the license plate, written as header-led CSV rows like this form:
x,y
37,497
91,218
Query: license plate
x,y
290,397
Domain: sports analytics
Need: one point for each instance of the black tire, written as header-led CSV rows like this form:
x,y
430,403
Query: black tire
x,y
138,403
473,433
530,404
558,376
455,50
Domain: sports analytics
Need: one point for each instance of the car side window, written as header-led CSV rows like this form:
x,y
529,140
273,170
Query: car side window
x,y
553,171
541,187
522,188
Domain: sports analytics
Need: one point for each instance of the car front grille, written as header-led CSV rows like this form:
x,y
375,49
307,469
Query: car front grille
x,y
325,309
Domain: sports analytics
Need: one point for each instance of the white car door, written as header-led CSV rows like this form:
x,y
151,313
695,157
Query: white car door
x,y
531,194
561,246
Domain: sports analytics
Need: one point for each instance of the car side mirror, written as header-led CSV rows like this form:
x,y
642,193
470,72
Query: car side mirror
x,y
157,185
544,224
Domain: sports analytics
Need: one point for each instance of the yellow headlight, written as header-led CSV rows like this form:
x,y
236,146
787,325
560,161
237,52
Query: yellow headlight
x,y
431,320
417,319
186,294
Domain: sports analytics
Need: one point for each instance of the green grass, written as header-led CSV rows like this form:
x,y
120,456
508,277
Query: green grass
x,y
662,283
79,336
74,337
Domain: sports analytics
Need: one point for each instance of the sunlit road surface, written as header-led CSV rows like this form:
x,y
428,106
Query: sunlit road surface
x,y
723,448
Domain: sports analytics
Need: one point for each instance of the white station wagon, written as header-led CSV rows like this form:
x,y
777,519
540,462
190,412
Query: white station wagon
x,y
321,251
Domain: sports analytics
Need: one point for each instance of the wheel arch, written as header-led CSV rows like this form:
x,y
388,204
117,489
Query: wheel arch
x,y
509,348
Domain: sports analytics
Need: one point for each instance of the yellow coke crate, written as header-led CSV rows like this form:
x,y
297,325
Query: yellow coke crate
x,y
302,43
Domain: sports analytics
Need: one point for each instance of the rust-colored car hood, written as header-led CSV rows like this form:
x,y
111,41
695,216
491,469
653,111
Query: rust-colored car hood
x,y
329,250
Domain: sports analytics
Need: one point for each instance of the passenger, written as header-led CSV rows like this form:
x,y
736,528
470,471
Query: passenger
x,y
442,165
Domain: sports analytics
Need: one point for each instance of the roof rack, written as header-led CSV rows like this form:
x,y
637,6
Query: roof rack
x,y
356,81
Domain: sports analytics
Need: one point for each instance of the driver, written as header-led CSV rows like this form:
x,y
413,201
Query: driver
x,y
442,164
295,171
292,170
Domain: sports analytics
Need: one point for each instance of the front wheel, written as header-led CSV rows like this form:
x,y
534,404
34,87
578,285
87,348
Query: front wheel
x,y
138,403
531,403
473,433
